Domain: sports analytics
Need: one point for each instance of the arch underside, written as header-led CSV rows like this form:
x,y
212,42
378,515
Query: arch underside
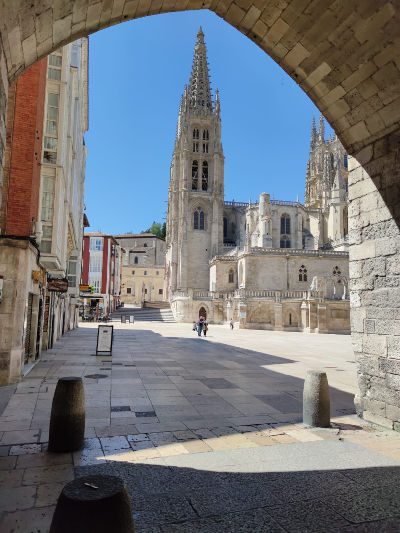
x,y
344,55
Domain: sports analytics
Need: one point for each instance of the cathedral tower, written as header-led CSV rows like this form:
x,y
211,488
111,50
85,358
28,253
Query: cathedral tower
x,y
196,189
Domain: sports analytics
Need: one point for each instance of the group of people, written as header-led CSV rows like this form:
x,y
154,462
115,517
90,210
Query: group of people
x,y
201,326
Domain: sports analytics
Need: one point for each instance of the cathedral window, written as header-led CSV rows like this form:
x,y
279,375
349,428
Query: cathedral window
x,y
206,136
204,176
285,225
337,271
285,241
196,133
205,148
195,175
302,273
195,146
198,219
136,261
225,227
231,276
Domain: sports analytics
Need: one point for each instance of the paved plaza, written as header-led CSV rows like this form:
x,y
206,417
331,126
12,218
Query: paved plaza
x,y
205,432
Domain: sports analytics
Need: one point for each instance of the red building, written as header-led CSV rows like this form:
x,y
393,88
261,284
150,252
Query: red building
x,y
101,270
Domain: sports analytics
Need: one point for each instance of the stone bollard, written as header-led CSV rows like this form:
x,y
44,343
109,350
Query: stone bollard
x,y
67,421
316,402
93,504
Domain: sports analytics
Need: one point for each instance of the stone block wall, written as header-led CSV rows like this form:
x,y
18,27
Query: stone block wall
x,y
374,218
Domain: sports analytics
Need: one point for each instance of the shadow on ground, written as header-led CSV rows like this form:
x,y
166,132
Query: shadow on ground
x,y
170,499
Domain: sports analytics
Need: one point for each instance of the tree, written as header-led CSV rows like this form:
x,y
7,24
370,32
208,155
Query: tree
x,y
158,229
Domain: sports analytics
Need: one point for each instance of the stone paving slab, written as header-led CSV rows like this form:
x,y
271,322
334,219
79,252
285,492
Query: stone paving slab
x,y
206,434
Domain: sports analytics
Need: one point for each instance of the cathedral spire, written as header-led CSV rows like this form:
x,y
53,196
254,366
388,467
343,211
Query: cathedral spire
x,y
199,84
313,134
321,129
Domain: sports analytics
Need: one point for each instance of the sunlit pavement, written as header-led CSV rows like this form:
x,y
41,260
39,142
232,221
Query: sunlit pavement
x,y
206,433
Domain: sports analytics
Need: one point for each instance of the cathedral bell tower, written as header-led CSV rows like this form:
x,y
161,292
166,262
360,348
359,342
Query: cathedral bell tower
x,y
196,189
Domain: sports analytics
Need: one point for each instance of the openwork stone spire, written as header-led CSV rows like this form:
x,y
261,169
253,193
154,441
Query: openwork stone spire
x,y
199,84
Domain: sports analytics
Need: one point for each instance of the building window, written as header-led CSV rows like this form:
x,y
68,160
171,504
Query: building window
x,y
205,148
145,245
47,213
145,291
54,66
225,227
195,175
51,131
95,263
95,283
302,273
145,272
285,241
231,276
136,260
285,224
128,290
195,147
198,219
96,244
337,271
160,291
72,264
204,176
133,272
196,133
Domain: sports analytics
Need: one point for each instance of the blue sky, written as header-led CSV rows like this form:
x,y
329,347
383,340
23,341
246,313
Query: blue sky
x,y
137,73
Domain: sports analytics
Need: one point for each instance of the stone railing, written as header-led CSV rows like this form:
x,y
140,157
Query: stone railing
x,y
253,293
295,251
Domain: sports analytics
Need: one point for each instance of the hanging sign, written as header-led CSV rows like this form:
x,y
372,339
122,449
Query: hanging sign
x,y
104,340
57,284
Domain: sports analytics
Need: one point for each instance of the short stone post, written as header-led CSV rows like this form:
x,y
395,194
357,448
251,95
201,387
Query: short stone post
x,y
93,504
67,421
316,401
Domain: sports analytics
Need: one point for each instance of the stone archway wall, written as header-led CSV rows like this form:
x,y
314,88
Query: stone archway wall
x,y
346,57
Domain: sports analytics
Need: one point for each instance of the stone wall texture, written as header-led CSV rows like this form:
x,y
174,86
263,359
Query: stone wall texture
x,y
346,57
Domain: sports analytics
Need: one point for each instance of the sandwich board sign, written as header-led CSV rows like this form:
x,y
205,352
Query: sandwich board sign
x,y
104,340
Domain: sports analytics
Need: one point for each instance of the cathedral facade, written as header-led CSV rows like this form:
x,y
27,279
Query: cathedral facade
x,y
268,265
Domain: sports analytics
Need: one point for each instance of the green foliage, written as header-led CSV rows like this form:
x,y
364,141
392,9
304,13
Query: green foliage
x,y
158,229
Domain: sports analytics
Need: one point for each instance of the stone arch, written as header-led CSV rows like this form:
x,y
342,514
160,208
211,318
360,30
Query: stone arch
x,y
344,55
328,65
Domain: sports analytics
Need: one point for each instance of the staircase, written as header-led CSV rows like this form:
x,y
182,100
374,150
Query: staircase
x,y
145,314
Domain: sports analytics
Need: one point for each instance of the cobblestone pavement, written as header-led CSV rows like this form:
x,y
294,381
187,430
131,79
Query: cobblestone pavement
x,y
206,433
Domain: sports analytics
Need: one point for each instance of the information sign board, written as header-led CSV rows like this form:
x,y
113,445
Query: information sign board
x,y
131,319
104,339
123,319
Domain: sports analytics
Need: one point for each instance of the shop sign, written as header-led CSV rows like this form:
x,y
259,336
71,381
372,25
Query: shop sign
x,y
57,284
85,288
104,340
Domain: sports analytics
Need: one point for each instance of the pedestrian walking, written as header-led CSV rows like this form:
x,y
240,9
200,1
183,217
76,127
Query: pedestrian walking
x,y
194,326
231,324
205,328
200,325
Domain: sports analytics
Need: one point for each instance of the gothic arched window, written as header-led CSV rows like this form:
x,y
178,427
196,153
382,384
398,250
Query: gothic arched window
x,y
196,136
206,135
302,273
195,175
285,224
285,241
231,276
198,219
204,176
225,227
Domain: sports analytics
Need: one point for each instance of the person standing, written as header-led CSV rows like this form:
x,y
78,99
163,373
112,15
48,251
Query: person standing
x,y
205,328
231,324
200,325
